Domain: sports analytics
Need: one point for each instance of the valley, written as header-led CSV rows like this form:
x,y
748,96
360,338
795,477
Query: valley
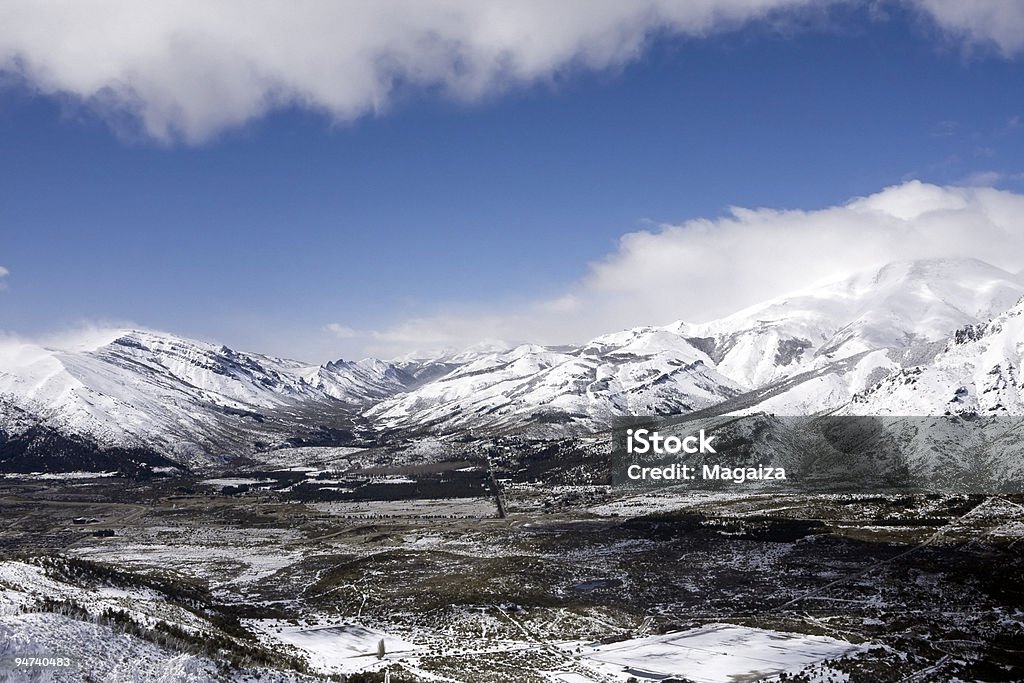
x,y
300,574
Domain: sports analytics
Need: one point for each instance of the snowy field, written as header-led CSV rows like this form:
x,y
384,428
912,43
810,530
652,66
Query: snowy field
x,y
716,653
338,648
457,595
233,555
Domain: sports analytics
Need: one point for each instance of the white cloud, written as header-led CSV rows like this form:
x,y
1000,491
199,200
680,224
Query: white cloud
x,y
707,268
341,331
83,336
999,23
187,70
3,274
190,69
982,179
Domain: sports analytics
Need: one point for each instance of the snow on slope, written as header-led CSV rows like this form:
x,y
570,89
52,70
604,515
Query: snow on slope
x,y
895,306
958,420
978,372
837,339
643,371
97,650
184,398
875,321
358,382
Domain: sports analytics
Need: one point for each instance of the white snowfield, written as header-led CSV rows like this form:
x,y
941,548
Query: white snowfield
x,y
715,653
337,648
802,354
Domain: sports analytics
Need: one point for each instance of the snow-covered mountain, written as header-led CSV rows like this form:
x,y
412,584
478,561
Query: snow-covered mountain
x,y
186,399
800,354
811,352
959,418
554,391
844,336
898,305
978,372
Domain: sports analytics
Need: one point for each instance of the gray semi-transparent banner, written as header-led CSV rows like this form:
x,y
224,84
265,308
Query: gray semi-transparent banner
x,y
951,454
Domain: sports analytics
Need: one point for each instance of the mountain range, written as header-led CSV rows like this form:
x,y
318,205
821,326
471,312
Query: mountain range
x,y
923,337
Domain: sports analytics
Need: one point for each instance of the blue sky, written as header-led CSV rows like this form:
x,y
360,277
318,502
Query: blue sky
x,y
480,204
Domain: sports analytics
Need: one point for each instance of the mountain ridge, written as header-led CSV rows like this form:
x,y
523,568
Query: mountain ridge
x,y
812,351
842,336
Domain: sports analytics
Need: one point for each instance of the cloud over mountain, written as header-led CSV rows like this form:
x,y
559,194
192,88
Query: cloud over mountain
x,y
706,268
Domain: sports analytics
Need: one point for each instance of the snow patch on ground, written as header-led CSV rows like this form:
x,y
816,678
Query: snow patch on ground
x,y
235,481
66,475
715,653
337,648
